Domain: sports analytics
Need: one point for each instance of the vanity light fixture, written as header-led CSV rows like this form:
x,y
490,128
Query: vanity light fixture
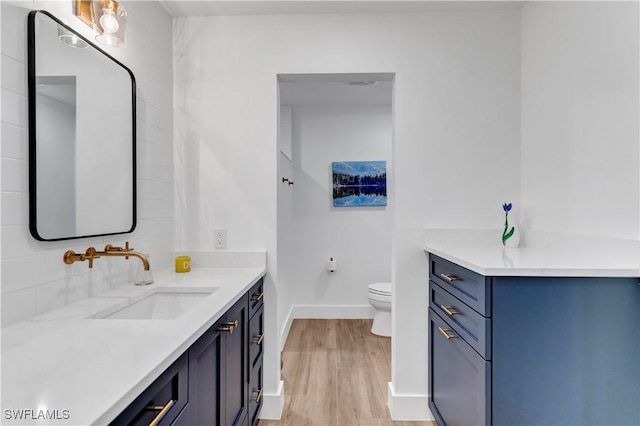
x,y
107,17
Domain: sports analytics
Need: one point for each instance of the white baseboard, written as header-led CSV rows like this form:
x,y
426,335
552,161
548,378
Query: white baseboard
x,y
286,327
273,404
408,407
323,312
332,311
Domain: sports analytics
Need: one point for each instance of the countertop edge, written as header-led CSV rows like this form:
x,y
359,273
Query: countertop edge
x,y
460,255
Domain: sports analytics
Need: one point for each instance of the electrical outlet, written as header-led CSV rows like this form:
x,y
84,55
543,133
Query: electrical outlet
x,y
220,238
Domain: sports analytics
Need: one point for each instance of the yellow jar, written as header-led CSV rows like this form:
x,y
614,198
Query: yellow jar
x,y
183,263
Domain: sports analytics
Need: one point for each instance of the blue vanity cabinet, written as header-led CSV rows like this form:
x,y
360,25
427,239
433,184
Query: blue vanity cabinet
x,y
217,381
533,350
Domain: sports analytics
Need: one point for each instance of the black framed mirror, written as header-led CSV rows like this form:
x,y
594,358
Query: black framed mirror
x,y
82,135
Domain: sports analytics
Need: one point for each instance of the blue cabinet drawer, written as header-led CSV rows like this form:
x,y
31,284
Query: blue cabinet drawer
x,y
459,378
256,297
162,401
470,325
468,286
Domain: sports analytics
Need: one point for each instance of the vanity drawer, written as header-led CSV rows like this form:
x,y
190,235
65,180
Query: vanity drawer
x,y
468,286
470,325
163,400
256,299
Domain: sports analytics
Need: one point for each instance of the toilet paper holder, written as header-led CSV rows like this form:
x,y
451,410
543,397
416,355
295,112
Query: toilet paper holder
x,y
332,265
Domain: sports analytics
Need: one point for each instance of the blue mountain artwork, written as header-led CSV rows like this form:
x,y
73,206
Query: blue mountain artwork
x,y
359,183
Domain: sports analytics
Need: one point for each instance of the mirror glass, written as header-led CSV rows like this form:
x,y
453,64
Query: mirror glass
x,y
81,135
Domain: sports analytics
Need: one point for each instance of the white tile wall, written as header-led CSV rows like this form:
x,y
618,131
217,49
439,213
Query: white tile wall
x,y
34,278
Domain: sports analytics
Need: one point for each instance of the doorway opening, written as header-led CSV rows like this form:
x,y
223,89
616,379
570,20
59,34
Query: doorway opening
x,y
327,118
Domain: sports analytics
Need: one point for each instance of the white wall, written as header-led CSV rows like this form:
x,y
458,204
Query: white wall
x,y
358,238
455,151
34,278
580,132
285,231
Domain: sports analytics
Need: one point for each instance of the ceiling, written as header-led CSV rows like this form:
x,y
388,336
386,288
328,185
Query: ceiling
x,y
180,8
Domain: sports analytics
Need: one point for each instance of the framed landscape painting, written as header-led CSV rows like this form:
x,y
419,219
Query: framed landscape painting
x,y
359,183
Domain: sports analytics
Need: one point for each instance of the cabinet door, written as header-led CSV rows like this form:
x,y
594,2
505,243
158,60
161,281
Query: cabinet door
x,y
459,378
256,337
206,386
236,374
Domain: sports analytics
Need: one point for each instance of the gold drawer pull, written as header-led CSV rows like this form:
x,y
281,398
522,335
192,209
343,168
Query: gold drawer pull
x,y
259,341
257,398
257,297
450,278
164,409
450,311
229,326
445,334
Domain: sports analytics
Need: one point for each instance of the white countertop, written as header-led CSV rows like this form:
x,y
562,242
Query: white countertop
x,y
94,368
542,255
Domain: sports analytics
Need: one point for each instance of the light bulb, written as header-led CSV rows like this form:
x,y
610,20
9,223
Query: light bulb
x,y
108,22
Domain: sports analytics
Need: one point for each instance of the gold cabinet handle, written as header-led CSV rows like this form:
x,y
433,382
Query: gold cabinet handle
x,y
259,340
445,334
450,278
257,297
257,398
450,311
164,409
229,326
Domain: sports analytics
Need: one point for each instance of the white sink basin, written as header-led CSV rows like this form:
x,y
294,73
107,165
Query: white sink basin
x,y
160,303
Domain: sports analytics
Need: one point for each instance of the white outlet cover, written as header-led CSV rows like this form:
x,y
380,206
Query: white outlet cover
x,y
220,238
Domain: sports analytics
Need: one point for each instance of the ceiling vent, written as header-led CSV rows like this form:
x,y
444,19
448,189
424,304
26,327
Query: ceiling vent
x,y
362,83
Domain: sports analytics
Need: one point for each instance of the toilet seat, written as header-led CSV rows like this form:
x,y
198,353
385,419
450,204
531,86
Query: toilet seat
x,y
381,289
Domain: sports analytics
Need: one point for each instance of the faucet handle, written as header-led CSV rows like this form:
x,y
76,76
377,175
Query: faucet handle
x,y
90,255
111,248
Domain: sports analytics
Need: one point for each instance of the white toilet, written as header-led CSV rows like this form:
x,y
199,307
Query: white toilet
x,y
380,299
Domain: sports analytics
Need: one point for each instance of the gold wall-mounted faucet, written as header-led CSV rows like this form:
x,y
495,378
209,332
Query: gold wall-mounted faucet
x,y
71,256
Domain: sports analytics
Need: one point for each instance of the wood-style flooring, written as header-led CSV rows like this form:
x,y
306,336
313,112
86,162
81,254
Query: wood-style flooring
x,y
336,373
